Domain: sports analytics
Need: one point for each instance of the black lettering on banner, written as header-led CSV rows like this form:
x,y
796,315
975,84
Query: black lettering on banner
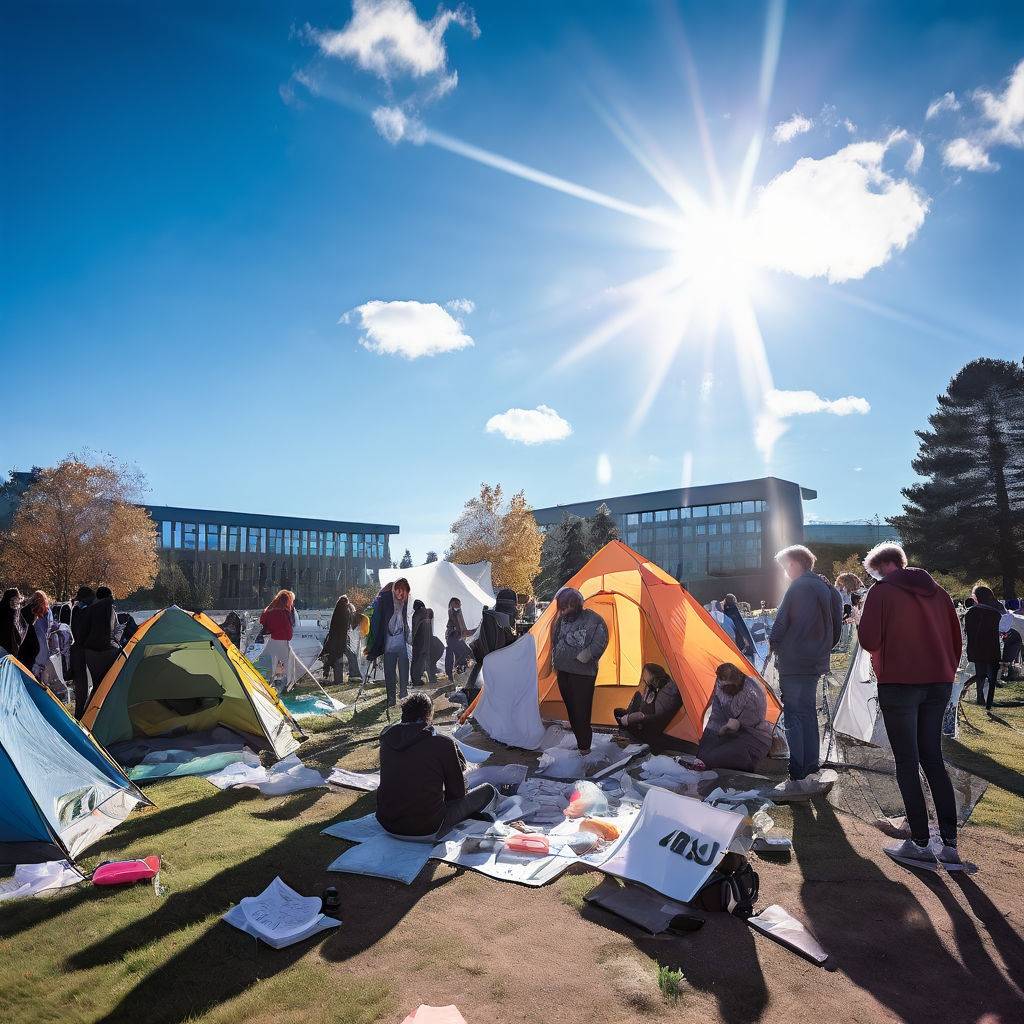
x,y
691,848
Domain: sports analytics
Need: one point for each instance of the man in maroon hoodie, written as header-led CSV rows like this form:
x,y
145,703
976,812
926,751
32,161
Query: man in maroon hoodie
x,y
911,628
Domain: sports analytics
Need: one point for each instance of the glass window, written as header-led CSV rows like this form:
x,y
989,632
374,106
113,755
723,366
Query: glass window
x,y
254,539
177,535
342,545
370,546
647,517
263,539
762,506
632,519
750,506
314,542
684,513
715,547
632,538
725,527
750,525
702,529
687,532
165,533
329,545
673,513
661,516
232,538
700,511
188,536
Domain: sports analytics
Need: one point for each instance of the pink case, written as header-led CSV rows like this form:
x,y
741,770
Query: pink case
x,y
122,872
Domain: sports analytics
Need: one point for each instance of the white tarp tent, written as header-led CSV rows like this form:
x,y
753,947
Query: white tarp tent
x,y
508,709
857,706
480,574
435,584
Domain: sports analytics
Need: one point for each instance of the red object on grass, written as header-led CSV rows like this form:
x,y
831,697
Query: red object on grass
x,y
123,872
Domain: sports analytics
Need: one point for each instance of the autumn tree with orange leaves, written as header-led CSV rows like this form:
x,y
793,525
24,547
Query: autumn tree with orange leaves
x,y
79,523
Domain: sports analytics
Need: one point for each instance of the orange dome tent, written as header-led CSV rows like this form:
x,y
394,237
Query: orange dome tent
x,y
650,618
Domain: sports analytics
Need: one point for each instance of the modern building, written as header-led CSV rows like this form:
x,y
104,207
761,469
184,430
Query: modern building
x,y
243,558
714,539
865,533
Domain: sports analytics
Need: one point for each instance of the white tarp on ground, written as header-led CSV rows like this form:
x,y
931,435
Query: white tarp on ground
x,y
435,584
857,706
509,708
30,879
480,574
675,844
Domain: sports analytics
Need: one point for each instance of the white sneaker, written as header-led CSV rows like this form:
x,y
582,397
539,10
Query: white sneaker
x,y
912,855
793,789
949,858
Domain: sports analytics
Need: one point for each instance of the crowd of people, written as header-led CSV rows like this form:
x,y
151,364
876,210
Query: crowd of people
x,y
70,646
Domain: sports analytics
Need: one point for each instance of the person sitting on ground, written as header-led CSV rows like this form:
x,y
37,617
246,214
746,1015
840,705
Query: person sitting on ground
x,y
13,626
652,708
912,632
737,734
422,644
422,790
981,625
744,641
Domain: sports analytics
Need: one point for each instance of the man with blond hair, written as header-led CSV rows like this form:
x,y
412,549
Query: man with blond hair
x,y
807,627
912,632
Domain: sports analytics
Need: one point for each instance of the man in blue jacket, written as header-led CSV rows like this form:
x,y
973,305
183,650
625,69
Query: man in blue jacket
x,y
807,627
389,637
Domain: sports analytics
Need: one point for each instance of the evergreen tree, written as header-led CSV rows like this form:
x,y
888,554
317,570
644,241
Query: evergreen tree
x,y
601,529
172,586
967,516
573,541
431,557
406,562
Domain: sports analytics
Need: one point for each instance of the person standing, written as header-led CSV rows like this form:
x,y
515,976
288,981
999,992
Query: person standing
x,y
389,637
100,627
981,624
456,651
336,647
278,619
808,625
79,670
578,639
422,644
34,653
13,626
744,641
912,632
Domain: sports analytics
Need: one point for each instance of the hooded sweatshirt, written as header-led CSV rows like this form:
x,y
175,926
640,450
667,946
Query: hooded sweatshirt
x,y
420,771
911,629
981,624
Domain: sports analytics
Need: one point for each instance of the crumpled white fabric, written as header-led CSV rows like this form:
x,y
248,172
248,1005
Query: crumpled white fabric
x,y
290,775
664,767
30,879
561,762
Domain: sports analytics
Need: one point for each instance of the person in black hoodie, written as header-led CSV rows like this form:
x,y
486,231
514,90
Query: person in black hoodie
x,y
744,642
99,627
13,626
422,644
79,671
422,790
497,630
981,625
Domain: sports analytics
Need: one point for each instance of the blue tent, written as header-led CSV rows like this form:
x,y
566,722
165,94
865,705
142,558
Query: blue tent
x,y
59,789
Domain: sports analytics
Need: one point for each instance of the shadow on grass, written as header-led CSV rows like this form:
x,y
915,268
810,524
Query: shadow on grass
x,y
724,939
881,936
220,962
983,766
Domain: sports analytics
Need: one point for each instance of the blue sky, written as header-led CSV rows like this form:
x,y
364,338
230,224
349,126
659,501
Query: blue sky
x,y
209,211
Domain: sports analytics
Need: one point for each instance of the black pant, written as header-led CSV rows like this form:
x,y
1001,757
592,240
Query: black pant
x,y
98,663
986,672
353,667
80,677
423,663
577,691
913,720
472,803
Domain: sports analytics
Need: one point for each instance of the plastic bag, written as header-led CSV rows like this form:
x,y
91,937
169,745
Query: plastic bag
x,y
586,800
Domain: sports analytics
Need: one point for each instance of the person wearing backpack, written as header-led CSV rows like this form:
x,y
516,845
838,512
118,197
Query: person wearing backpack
x,y
497,630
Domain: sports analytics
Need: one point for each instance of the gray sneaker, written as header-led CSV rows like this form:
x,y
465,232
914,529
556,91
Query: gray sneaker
x,y
793,789
949,858
912,855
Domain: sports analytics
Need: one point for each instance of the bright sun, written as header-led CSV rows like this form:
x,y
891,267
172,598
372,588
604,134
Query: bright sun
x,y
715,255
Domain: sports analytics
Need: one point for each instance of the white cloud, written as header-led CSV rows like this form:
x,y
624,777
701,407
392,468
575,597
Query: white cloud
x,y
604,469
916,158
786,131
1005,112
838,217
849,126
461,307
407,328
530,426
388,39
967,155
947,101
394,125
780,406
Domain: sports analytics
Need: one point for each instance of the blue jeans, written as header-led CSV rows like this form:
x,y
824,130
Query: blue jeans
x,y
396,659
800,706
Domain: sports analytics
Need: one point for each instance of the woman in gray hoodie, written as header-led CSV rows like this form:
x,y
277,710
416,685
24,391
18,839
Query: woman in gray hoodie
x,y
578,639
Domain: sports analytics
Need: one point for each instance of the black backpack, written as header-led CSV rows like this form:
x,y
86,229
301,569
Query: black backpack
x,y
732,887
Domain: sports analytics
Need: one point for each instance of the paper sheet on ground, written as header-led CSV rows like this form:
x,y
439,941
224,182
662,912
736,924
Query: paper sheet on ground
x,y
674,845
779,924
367,781
435,1015
289,775
30,879
279,916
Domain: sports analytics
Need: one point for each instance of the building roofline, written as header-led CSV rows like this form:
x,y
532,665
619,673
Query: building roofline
x,y
221,517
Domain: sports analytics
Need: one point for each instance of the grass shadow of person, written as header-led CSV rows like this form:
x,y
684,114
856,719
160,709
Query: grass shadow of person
x,y
720,959
878,932
1009,943
983,766
217,962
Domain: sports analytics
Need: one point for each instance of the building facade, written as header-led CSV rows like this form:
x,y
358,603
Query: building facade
x,y
715,539
243,558
866,533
